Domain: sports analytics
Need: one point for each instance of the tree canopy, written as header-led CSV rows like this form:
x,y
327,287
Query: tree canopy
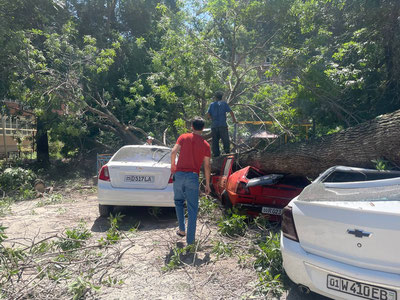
x,y
100,74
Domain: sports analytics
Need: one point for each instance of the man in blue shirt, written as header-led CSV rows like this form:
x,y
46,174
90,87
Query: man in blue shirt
x,y
219,128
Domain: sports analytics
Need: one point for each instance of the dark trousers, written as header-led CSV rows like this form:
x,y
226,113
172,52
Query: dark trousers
x,y
220,133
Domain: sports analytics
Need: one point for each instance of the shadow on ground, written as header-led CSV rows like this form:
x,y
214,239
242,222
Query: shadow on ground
x,y
142,217
295,294
194,259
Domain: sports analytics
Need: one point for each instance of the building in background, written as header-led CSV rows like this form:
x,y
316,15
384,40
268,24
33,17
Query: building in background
x,y
17,129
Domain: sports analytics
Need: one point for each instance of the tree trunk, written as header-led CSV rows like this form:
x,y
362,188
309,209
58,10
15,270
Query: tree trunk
x,y
42,142
356,146
115,125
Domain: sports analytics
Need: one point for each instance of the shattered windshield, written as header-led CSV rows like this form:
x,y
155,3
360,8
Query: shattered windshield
x,y
319,191
360,175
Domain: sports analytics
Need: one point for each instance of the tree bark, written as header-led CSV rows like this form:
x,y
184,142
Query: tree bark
x,y
356,146
42,142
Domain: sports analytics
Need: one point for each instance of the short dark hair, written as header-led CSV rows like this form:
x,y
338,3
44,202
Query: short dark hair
x,y
198,123
218,95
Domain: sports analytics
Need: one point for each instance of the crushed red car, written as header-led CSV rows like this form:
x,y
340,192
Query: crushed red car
x,y
255,191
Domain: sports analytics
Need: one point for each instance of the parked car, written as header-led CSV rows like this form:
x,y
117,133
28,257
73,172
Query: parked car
x,y
136,176
253,190
341,235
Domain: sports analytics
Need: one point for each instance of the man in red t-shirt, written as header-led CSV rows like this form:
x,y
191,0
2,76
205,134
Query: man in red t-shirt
x,y
193,150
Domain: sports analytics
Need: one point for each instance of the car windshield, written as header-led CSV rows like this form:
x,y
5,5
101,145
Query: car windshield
x,y
142,154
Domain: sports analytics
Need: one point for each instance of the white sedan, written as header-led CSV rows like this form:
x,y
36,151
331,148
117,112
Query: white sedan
x,y
341,235
136,176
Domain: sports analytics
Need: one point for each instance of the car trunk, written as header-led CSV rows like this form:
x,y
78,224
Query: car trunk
x,y
143,175
356,224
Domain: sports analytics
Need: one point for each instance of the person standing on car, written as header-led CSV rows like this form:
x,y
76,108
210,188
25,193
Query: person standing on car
x,y
219,128
193,151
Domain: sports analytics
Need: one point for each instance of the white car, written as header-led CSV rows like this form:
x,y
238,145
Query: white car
x,y
341,235
136,176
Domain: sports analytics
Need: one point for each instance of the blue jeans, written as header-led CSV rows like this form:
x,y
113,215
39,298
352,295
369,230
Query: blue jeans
x,y
186,187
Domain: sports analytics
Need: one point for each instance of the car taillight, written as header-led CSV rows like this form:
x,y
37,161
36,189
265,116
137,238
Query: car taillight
x,y
241,188
104,174
171,179
288,227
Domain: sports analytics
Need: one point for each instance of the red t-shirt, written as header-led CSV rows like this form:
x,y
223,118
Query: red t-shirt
x,y
193,150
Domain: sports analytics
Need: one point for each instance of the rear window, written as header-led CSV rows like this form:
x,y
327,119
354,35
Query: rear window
x,y
388,191
364,175
297,181
252,173
354,184
137,154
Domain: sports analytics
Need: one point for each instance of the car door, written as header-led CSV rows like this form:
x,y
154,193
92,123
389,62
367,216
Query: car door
x,y
225,173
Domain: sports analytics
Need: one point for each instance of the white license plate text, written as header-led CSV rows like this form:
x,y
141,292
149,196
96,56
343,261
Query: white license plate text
x,y
359,289
271,211
139,178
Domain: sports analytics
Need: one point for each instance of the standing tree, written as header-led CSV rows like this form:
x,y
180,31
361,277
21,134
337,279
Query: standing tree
x,y
63,74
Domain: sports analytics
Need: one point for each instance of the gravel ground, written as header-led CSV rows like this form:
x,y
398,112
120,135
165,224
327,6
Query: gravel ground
x,y
203,276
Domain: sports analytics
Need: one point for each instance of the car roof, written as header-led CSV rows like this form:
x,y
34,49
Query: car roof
x,y
146,146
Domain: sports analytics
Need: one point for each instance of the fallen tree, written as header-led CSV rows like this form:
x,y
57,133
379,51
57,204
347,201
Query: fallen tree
x,y
356,146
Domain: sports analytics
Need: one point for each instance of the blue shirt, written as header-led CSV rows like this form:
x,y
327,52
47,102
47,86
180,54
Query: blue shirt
x,y
218,110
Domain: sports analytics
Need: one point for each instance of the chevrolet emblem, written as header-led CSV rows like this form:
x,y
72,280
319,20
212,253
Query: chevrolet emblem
x,y
359,233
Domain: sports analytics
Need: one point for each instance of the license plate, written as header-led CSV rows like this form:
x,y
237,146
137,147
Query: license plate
x,y
271,211
139,178
359,289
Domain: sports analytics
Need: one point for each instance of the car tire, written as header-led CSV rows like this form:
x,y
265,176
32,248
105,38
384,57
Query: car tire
x,y
227,203
105,210
212,191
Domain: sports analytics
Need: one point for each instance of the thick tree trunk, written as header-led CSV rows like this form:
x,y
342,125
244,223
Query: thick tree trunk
x,y
356,146
42,142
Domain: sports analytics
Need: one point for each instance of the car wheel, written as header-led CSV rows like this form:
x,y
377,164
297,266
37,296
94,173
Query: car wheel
x,y
105,210
227,203
212,191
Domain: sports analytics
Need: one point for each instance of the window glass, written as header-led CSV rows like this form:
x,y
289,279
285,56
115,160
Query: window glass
x,y
141,154
227,166
13,122
346,176
8,125
319,192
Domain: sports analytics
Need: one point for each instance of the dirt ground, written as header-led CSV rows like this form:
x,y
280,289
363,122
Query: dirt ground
x,y
202,277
